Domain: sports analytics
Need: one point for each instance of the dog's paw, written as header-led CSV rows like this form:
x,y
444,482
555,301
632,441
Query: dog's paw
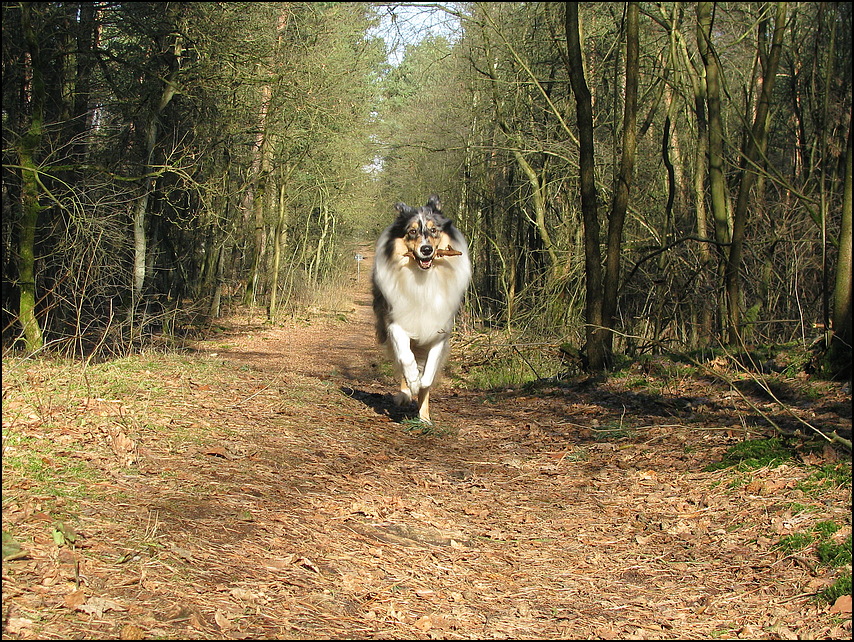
x,y
402,398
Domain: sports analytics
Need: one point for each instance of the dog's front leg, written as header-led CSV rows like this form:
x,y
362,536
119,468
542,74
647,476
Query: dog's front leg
x,y
401,344
435,357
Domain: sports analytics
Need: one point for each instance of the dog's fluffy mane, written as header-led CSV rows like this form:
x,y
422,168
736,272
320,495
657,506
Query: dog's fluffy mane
x,y
422,302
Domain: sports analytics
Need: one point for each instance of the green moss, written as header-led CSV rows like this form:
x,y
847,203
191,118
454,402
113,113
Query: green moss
x,y
752,454
834,555
840,587
794,542
825,529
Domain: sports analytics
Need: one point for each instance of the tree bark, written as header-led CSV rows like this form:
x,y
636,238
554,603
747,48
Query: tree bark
x,y
140,242
717,185
259,193
704,332
30,190
623,179
755,150
842,331
538,191
594,327
278,244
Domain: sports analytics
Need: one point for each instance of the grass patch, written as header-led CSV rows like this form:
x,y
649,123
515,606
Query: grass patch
x,y
830,554
59,415
415,425
835,555
499,360
636,382
840,587
753,454
612,433
507,371
47,468
825,529
797,507
794,542
827,476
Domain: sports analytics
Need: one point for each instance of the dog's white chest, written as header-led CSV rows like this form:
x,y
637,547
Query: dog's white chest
x,y
423,306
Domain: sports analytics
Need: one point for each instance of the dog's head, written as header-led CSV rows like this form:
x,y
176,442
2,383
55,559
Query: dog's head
x,y
423,230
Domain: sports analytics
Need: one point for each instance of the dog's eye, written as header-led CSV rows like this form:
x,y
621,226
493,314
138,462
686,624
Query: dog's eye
x,y
412,233
434,232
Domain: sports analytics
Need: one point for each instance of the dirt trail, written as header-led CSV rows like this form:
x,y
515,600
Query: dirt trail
x,y
290,502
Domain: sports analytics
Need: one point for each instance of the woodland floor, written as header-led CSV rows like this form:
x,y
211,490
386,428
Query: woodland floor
x,y
263,486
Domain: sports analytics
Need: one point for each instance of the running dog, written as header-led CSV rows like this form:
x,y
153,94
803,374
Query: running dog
x,y
420,275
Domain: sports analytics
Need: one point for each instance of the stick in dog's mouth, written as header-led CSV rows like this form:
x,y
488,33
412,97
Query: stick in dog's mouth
x,y
426,264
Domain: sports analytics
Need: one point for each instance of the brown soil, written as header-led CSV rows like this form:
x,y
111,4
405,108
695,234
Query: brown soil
x,y
285,498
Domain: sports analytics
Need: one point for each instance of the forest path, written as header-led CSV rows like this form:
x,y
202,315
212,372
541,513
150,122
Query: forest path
x,y
517,522
282,497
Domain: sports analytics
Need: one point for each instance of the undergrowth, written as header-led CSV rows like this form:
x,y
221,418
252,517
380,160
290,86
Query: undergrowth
x,y
752,454
829,553
819,541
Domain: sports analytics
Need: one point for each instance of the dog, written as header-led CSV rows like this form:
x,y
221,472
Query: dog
x,y
420,276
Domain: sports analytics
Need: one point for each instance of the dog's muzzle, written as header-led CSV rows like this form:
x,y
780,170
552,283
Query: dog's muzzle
x,y
425,256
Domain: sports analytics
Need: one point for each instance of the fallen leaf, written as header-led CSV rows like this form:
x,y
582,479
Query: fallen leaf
x,y
182,552
607,632
131,632
11,549
216,451
424,623
307,563
755,486
196,620
841,605
749,632
246,596
830,454
63,533
124,448
359,508
17,625
75,599
221,621
97,605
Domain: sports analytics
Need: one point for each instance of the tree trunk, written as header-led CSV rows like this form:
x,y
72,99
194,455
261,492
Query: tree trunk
x,y
538,191
278,243
717,184
140,242
704,332
594,327
30,190
829,74
261,167
755,150
623,179
222,251
842,333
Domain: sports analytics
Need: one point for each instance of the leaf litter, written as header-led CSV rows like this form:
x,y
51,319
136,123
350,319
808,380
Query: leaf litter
x,y
273,491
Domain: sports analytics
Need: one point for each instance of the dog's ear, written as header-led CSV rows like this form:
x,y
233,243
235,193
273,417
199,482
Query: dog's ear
x,y
434,203
403,209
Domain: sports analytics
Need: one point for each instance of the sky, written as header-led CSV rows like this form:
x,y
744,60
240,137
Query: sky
x,y
410,24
